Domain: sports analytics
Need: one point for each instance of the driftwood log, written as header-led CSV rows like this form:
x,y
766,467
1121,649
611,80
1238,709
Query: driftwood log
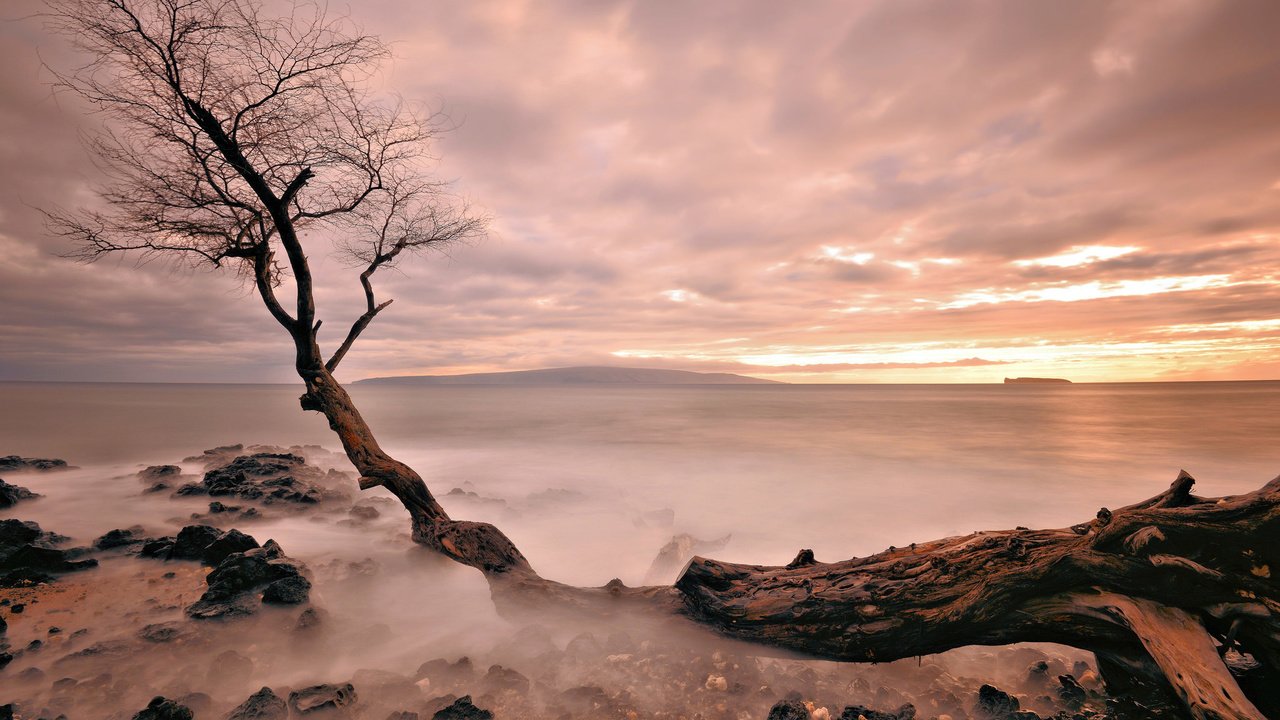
x,y
1158,591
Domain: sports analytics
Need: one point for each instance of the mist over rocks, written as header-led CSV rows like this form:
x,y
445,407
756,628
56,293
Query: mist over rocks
x,y
233,582
262,705
15,463
11,495
268,478
225,627
225,454
28,553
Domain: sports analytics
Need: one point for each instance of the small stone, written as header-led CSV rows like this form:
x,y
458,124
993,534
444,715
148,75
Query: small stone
x,y
789,708
119,538
322,697
161,708
995,704
262,705
462,709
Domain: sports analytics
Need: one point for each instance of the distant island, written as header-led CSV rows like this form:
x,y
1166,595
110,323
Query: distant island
x,y
1036,381
575,376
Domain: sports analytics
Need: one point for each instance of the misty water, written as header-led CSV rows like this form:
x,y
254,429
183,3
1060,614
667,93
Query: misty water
x,y
590,481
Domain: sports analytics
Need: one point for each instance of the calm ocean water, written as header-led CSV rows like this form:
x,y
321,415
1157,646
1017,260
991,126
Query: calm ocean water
x,y
844,469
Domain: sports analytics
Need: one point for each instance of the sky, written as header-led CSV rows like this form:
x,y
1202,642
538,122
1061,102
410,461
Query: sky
x,y
870,192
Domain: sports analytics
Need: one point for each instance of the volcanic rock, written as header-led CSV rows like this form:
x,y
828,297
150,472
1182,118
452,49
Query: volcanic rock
x,y
120,538
854,712
232,581
322,697
262,705
192,541
24,546
225,544
293,590
995,704
161,708
11,495
265,477
159,473
789,708
462,709
14,462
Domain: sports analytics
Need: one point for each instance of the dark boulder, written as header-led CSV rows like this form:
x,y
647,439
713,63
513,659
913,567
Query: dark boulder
x,y
45,559
161,708
262,705
293,590
14,462
462,709
159,473
854,712
11,495
25,546
25,577
229,542
17,532
192,541
120,538
322,697
1070,692
231,583
789,708
158,548
266,477
995,704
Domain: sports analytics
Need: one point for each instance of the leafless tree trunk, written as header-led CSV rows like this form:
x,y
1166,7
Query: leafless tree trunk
x,y
231,131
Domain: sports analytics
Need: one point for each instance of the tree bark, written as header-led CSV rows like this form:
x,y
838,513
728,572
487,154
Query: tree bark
x,y
479,545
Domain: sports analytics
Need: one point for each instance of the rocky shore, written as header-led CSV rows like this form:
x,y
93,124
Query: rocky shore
x,y
206,617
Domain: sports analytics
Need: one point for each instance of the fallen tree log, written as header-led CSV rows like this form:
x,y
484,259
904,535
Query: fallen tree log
x,y
1158,590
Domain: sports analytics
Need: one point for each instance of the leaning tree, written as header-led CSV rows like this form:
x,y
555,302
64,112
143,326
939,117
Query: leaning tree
x,y
230,131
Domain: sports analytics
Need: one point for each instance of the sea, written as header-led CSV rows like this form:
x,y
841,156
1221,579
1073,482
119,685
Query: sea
x,y
843,469
592,481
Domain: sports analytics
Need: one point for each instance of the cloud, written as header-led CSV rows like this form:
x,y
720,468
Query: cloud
x,y
667,175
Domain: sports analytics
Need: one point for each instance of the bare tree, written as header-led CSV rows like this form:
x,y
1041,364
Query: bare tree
x,y
231,131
